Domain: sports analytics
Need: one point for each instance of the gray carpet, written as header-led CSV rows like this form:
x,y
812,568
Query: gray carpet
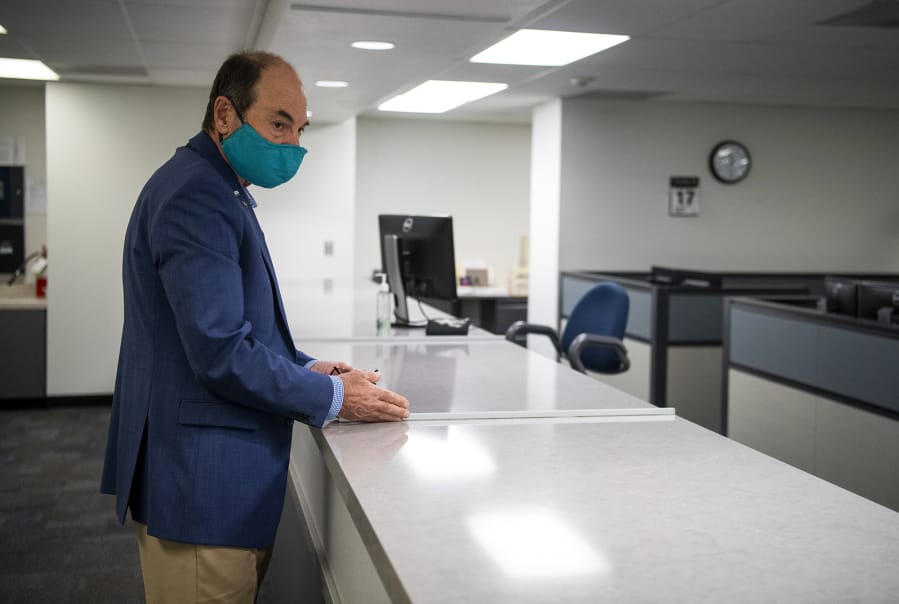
x,y
59,539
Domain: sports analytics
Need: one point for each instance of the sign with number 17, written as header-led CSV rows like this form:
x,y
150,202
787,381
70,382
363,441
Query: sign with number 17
x,y
683,196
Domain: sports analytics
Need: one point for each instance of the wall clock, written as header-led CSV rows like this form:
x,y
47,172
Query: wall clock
x,y
730,162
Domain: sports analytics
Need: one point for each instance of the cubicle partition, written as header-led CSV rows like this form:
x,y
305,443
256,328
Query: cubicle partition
x,y
817,390
674,331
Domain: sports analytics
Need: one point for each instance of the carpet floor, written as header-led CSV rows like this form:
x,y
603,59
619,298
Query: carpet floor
x,y
59,539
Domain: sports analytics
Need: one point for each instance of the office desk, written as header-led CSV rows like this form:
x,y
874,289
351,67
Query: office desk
x,y
490,308
621,506
346,312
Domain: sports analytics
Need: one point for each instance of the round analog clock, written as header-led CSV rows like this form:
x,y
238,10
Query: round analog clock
x,y
730,162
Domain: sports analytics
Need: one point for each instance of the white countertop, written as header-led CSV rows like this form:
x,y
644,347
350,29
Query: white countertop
x,y
20,296
517,480
482,291
480,379
23,303
604,510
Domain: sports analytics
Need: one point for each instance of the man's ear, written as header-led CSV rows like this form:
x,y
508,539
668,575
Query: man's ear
x,y
224,116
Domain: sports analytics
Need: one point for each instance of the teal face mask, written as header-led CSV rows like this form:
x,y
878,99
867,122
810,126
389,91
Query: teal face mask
x,y
261,161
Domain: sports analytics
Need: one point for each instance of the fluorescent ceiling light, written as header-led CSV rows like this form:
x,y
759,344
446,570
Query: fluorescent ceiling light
x,y
332,84
439,96
373,45
546,48
2,30
26,69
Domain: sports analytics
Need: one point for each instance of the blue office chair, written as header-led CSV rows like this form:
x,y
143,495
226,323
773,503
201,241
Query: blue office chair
x,y
593,335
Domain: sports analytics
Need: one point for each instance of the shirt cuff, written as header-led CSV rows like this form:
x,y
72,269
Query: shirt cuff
x,y
337,399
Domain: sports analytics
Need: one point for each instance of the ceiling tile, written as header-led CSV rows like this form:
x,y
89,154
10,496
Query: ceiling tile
x,y
76,17
154,23
181,55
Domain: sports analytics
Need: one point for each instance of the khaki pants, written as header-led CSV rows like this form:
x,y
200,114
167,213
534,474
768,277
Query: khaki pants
x,y
176,573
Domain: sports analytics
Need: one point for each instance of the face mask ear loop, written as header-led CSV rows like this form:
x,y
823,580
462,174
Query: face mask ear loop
x,y
239,116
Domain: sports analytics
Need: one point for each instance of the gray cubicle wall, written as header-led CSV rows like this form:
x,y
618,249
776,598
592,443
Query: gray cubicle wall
x,y
676,331
851,360
817,390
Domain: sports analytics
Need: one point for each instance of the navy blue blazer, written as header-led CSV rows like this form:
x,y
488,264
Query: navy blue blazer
x,y
209,380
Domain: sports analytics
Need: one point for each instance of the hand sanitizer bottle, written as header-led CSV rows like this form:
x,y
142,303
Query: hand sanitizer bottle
x,y
383,307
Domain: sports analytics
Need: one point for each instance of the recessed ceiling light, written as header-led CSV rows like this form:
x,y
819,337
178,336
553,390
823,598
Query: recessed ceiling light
x,y
438,96
2,30
546,48
26,69
373,45
332,84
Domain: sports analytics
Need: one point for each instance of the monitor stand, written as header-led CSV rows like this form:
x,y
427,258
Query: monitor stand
x,y
395,282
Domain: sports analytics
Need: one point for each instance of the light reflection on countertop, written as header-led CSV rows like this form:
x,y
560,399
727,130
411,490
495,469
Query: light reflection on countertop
x,y
530,542
447,454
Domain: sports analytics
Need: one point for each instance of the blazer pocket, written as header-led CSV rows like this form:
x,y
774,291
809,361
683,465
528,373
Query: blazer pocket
x,y
222,415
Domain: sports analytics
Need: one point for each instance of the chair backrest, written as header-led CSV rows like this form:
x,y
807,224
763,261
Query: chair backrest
x,y
602,310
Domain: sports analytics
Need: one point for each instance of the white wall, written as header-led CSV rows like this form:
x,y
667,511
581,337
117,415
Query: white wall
x,y
476,172
103,142
822,194
316,206
22,120
546,174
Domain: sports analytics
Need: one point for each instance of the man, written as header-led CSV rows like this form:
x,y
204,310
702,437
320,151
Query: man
x,y
209,381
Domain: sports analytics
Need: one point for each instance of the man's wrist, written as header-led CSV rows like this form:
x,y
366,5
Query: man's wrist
x,y
337,398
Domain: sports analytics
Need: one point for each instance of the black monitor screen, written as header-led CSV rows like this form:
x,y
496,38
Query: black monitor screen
x,y
426,255
878,301
841,295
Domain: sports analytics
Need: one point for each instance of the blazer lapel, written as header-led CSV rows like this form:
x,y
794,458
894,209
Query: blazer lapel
x,y
276,290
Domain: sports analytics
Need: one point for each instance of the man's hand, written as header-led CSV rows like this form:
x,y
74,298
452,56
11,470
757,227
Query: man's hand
x,y
364,401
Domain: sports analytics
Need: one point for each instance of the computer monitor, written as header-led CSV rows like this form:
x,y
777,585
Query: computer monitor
x,y
841,295
878,301
418,256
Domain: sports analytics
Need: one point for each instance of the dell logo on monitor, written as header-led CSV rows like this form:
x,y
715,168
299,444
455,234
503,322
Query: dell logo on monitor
x,y
407,224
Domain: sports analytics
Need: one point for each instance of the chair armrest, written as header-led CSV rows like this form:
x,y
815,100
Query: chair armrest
x,y
520,328
588,340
